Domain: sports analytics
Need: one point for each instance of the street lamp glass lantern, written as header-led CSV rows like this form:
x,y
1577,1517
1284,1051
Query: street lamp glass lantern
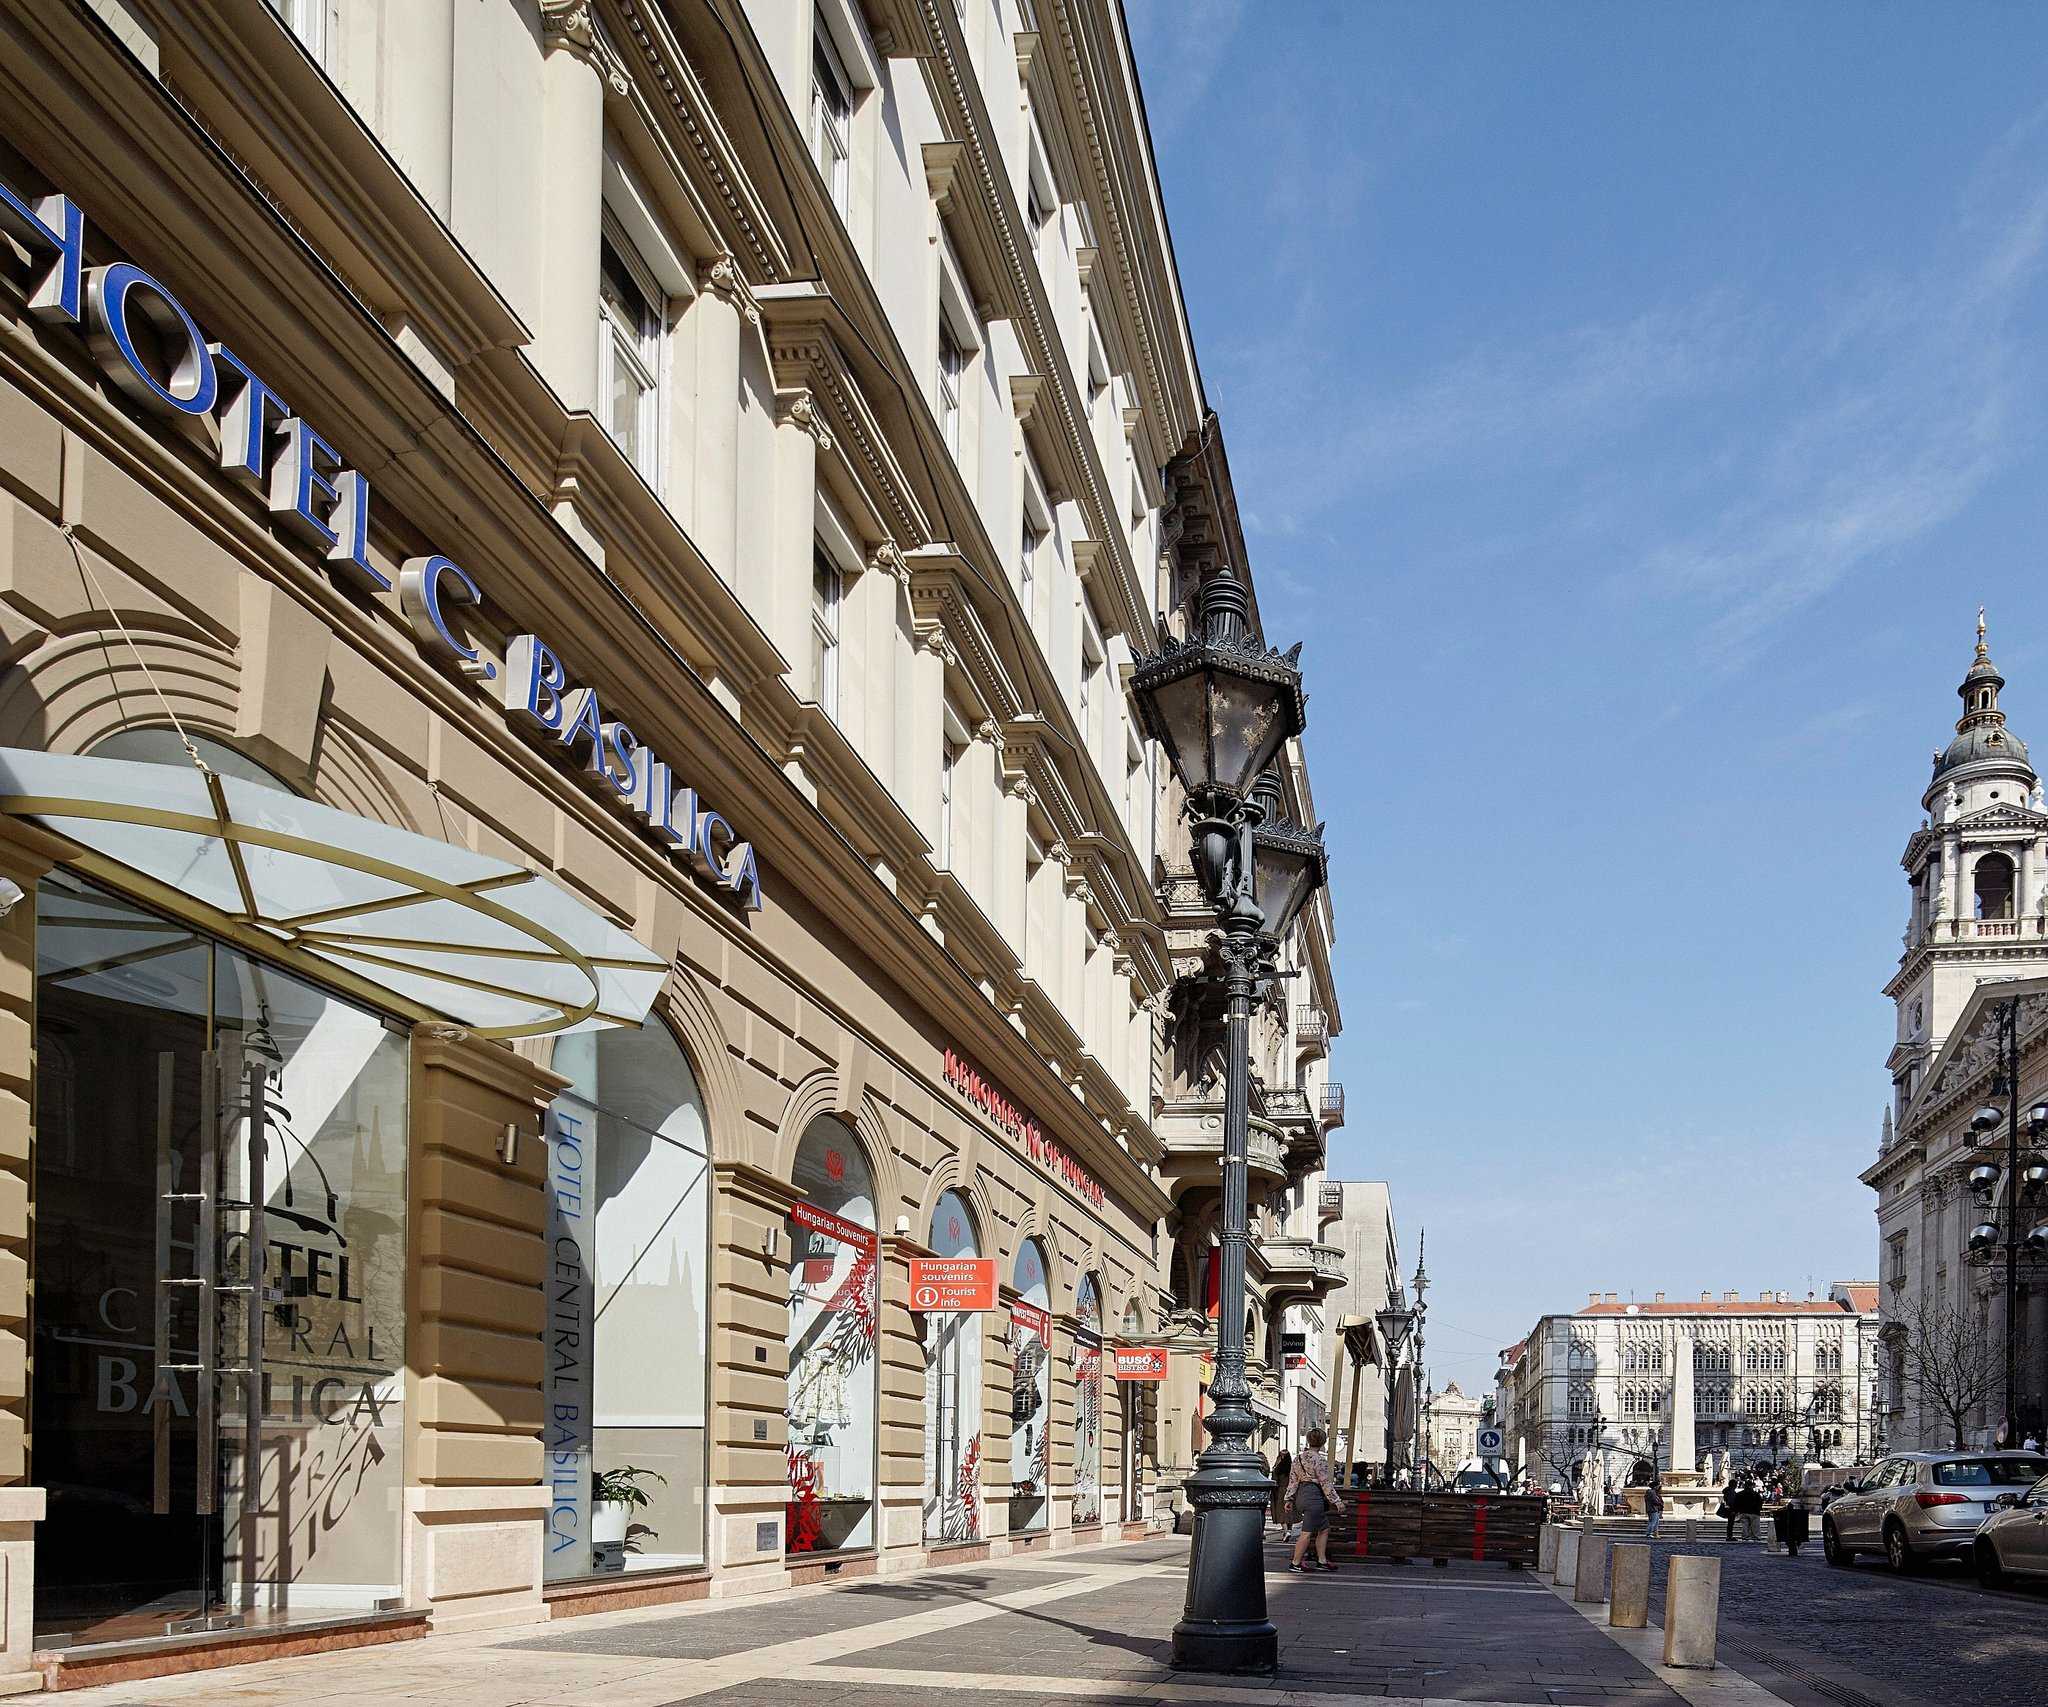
x,y
2037,1119
1987,1118
1288,866
1984,1178
2034,1171
1394,1329
1222,704
1983,1236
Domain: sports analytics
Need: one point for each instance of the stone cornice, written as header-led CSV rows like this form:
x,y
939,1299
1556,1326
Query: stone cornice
x,y
680,109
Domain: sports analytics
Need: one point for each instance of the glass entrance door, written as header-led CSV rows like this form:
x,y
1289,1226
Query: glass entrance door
x,y
219,1260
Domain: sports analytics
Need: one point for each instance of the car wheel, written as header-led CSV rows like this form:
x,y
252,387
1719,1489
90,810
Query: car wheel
x,y
1896,1551
1989,1572
1831,1546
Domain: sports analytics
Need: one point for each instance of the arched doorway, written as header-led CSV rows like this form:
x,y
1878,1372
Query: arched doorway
x,y
1087,1403
1030,1391
628,1225
834,1307
952,1391
1135,1397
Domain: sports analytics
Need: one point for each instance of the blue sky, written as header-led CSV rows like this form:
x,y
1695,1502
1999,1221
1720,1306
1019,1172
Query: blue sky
x,y
1630,406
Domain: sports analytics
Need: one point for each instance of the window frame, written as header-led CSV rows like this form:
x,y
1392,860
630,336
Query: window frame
x,y
819,125
643,349
826,577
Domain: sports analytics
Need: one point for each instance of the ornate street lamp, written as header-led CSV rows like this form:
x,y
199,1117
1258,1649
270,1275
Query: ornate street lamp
x,y
1223,706
2021,1176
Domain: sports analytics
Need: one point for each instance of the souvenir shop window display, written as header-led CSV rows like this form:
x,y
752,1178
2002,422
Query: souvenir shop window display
x,y
1088,1404
834,1301
1030,1391
952,1392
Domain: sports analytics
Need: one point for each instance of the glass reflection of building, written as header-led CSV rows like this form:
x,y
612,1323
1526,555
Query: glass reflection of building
x,y
834,1309
952,1391
1030,1393
1088,1404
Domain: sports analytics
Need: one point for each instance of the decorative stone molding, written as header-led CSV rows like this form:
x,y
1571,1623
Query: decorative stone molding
x,y
936,640
801,410
1018,787
889,559
723,279
570,24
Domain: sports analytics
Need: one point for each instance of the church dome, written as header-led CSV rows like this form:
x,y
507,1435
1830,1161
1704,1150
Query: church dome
x,y
1981,735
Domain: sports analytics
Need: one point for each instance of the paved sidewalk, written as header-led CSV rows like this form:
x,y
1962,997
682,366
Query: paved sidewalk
x,y
1052,1630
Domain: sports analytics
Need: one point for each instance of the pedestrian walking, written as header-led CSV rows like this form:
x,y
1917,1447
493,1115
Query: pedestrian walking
x,y
2033,1441
1726,1510
1314,1493
1281,1466
1653,1508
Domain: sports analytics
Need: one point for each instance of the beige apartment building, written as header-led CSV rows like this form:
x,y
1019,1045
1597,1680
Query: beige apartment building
x,y
570,818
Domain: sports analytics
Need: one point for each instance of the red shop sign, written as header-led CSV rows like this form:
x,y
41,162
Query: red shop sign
x,y
832,1226
952,1285
1034,1320
1138,1362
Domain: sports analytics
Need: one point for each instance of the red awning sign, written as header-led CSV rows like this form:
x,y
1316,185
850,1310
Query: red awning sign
x,y
1138,1362
952,1285
832,1226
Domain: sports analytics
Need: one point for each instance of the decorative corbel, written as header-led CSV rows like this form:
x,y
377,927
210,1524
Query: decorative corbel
x,y
801,410
723,279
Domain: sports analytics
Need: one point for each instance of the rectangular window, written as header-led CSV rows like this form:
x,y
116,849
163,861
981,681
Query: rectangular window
x,y
1036,213
831,119
949,762
306,19
629,352
1027,569
826,587
952,372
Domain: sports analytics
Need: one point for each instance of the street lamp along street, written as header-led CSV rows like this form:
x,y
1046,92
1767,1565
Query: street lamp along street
x,y
1223,706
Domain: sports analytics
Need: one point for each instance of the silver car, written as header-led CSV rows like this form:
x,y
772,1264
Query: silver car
x,y
1924,1505
2014,1539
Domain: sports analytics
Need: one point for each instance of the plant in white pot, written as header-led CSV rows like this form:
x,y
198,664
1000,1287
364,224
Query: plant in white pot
x,y
614,1496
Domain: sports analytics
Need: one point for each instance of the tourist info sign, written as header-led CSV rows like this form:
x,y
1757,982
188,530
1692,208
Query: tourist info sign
x,y
952,1285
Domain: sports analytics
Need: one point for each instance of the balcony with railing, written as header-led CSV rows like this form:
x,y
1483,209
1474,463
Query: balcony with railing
x,y
1191,1134
1304,1263
1311,1030
1329,1205
1333,1104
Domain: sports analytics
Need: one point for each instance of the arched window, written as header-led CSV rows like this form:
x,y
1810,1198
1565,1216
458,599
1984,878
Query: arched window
x,y
627,1342
1030,1390
952,1390
1991,885
1087,1403
834,1306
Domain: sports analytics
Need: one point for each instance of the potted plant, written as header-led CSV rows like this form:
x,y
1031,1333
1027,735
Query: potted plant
x,y
614,1496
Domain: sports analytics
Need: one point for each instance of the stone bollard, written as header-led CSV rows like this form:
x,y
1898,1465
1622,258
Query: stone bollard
x,y
1692,1610
1564,1568
1629,1605
1772,1545
1590,1584
1546,1547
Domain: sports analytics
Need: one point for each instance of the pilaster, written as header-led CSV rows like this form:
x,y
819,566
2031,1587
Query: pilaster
x,y
749,1415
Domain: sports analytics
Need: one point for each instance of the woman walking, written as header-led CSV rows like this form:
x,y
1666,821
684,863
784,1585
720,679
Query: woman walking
x,y
1314,1496
1281,1466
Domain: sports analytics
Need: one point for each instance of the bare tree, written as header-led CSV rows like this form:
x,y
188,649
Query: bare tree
x,y
1559,1454
1948,1359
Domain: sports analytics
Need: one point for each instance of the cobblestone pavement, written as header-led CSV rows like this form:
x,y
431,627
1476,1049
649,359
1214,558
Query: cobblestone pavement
x,y
1087,1626
1823,1637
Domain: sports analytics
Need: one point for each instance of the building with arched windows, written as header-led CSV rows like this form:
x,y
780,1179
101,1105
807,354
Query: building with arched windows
x,y
1696,1386
570,818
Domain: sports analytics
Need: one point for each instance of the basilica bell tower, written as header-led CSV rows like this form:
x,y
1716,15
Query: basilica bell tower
x,y
1978,871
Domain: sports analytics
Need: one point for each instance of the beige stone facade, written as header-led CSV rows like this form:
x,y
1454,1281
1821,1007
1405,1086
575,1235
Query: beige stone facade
x,y
801,395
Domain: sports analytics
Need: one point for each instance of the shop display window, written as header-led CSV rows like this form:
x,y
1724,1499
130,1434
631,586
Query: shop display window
x,y
1088,1403
1030,1391
220,1261
834,1309
952,1391
627,1288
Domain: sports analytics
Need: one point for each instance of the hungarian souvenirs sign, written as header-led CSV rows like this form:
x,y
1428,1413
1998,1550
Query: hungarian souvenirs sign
x,y
967,1080
832,1226
267,445
1138,1362
952,1285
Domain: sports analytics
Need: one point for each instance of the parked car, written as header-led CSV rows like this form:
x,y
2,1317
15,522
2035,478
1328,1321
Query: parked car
x,y
1924,1505
2014,1538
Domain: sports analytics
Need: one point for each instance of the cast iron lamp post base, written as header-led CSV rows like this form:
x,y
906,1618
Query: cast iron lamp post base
x,y
1227,1570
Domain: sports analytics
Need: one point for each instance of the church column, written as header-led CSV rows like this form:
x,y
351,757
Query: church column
x,y
1951,909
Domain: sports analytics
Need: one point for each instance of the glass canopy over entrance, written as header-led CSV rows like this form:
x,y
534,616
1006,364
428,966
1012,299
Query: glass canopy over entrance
x,y
440,930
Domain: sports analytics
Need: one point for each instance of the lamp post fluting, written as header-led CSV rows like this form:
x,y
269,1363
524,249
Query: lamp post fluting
x,y
1224,706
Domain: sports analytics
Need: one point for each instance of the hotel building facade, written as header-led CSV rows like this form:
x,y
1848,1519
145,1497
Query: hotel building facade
x,y
570,819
